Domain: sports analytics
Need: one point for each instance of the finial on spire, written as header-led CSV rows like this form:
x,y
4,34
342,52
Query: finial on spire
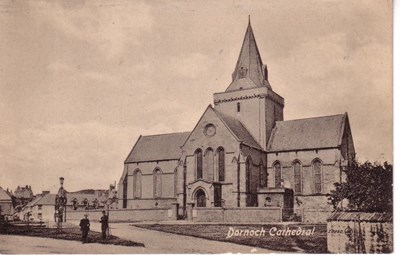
x,y
249,18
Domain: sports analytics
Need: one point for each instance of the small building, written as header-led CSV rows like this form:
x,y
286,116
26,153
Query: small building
x,y
23,195
6,204
42,208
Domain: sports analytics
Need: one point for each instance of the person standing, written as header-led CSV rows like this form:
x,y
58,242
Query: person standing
x,y
85,227
104,225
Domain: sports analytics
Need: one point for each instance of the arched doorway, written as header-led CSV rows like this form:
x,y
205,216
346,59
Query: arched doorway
x,y
200,198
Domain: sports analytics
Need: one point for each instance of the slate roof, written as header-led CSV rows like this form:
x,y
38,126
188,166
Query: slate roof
x,y
4,196
157,147
34,201
250,60
312,133
81,197
361,216
239,130
49,199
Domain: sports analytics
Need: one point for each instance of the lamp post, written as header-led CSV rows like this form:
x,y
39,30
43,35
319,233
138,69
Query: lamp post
x,y
60,204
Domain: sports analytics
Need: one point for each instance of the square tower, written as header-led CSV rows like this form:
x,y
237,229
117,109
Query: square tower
x,y
250,97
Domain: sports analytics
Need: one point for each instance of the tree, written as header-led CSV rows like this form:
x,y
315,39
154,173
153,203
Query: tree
x,y
368,188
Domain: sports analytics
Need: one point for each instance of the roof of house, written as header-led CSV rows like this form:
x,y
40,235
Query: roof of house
x,y
81,197
312,133
50,199
34,201
4,196
239,130
157,147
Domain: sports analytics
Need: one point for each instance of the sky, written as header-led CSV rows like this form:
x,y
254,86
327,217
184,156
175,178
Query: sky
x,y
81,80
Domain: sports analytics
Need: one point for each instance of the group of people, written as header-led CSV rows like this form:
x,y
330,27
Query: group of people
x,y
85,226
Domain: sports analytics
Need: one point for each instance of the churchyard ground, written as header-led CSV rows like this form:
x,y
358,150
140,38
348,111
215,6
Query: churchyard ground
x,y
313,241
71,233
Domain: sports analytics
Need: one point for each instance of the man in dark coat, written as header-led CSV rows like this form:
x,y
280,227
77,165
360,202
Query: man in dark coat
x,y
85,227
104,225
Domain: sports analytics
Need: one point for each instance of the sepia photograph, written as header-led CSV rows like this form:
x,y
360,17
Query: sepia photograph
x,y
159,127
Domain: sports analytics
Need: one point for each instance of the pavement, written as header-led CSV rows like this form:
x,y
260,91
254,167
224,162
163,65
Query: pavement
x,y
161,242
154,241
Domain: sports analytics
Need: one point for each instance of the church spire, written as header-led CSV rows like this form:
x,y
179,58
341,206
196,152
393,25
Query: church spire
x,y
249,71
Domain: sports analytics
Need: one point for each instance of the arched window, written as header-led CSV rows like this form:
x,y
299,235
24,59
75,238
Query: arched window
x,y
221,164
262,176
251,183
297,177
176,182
157,184
248,175
317,170
125,192
199,163
208,174
278,175
137,184
200,198
238,107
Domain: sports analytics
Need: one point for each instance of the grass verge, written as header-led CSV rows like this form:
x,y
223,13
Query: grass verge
x,y
315,243
70,233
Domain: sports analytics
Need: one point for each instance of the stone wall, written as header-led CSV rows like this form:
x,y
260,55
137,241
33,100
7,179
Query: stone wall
x,y
270,214
355,236
315,215
127,215
6,207
147,188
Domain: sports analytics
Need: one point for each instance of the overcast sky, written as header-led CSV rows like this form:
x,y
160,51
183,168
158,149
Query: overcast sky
x,y
81,80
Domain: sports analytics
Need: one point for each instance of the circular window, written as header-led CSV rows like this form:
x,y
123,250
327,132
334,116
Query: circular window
x,y
209,130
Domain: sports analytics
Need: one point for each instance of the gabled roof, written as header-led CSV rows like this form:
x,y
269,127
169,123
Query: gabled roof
x,y
47,199
4,196
249,71
34,201
239,130
312,133
81,197
50,199
157,147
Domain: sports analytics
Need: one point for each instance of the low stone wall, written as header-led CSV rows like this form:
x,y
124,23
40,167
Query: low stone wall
x,y
315,215
360,233
128,215
148,203
249,214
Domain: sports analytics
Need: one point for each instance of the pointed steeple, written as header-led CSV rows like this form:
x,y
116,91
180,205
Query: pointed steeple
x,y
249,71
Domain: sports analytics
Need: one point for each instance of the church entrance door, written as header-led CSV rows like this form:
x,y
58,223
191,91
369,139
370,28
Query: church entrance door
x,y
200,198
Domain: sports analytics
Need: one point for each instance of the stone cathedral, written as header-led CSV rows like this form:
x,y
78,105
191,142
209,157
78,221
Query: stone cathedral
x,y
241,153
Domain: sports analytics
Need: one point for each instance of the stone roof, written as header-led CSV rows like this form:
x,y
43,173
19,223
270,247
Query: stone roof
x,y
249,71
4,196
157,147
239,130
312,133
